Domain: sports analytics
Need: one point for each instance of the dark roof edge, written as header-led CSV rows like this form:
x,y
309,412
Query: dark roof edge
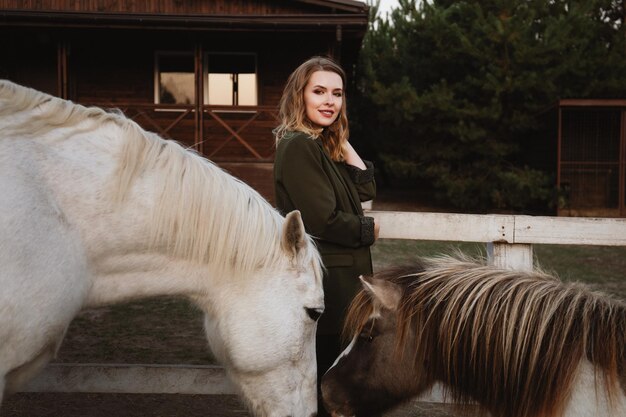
x,y
346,5
592,102
347,21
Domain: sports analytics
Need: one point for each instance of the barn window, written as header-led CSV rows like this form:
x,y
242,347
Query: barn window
x,y
174,78
231,79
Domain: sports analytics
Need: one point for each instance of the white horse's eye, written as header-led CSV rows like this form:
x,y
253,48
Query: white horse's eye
x,y
314,313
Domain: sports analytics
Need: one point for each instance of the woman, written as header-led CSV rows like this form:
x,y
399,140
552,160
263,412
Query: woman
x,y
318,172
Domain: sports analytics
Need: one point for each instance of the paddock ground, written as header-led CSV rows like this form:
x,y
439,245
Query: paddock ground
x,y
134,405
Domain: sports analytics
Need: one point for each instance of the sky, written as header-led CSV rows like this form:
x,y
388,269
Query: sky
x,y
387,5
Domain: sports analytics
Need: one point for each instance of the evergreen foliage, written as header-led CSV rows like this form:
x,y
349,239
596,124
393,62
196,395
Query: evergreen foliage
x,y
452,92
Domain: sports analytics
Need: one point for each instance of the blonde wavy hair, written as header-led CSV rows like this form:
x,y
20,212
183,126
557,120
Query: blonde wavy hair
x,y
292,111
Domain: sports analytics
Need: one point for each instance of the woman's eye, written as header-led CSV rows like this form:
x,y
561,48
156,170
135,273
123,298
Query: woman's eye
x,y
338,95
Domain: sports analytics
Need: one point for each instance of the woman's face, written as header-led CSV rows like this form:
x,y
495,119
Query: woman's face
x,y
323,97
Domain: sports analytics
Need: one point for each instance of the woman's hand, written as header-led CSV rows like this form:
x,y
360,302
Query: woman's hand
x,y
351,157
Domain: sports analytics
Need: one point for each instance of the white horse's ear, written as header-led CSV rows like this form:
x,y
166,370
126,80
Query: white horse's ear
x,y
384,292
293,239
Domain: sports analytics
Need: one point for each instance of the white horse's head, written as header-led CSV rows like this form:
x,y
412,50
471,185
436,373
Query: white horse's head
x,y
267,339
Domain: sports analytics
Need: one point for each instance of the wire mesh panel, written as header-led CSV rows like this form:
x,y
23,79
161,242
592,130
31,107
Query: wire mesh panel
x,y
589,165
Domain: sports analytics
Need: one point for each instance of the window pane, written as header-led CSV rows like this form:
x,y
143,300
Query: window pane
x,y
176,88
221,89
232,79
176,79
247,90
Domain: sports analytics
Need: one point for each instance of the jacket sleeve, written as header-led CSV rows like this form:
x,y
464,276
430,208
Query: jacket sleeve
x,y
363,180
304,178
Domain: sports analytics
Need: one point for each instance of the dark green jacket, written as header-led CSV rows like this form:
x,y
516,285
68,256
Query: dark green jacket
x,y
329,195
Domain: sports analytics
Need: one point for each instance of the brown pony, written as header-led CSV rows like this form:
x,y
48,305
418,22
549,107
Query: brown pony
x,y
518,344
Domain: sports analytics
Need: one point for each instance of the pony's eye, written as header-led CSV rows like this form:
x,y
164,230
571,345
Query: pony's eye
x,y
366,336
314,313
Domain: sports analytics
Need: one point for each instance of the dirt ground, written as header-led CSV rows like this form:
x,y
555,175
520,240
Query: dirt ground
x,y
130,405
120,405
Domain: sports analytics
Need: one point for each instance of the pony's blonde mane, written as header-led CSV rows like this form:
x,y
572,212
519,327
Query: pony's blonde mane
x,y
510,340
201,213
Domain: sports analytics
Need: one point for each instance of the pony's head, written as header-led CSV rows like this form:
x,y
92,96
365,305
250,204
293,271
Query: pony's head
x,y
375,373
267,338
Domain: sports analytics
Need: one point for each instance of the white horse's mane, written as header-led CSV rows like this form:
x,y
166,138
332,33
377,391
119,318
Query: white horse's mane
x,y
201,213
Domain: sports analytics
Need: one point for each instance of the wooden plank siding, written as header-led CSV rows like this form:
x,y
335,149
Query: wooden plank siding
x,y
103,53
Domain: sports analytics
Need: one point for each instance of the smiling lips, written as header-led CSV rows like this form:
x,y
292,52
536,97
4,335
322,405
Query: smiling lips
x,y
327,113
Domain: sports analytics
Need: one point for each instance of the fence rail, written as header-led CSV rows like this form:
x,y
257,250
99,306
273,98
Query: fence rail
x,y
509,239
496,228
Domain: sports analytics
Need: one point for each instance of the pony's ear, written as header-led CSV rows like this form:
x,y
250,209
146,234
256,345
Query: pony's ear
x,y
384,292
293,239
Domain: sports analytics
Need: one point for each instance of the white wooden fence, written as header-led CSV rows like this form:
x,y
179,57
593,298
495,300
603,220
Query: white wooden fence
x,y
509,239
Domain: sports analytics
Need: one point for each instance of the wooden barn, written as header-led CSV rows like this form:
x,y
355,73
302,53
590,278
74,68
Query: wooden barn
x,y
207,73
591,171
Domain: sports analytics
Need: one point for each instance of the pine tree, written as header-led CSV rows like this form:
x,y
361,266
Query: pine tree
x,y
451,91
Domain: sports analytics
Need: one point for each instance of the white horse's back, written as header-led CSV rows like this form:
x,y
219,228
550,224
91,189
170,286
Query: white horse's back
x,y
94,210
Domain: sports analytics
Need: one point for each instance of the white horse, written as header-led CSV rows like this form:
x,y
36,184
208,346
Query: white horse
x,y
94,210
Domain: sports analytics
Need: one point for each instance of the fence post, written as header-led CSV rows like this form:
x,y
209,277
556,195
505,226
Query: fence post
x,y
511,256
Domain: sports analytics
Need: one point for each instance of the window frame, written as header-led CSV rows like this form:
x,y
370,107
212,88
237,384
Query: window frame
x,y
236,107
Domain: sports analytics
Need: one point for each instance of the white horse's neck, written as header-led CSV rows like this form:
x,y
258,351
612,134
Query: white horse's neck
x,y
120,277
